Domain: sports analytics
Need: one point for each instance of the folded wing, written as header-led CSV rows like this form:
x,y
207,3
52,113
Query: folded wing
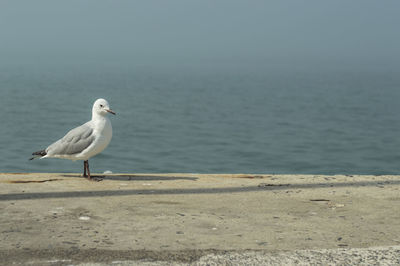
x,y
74,142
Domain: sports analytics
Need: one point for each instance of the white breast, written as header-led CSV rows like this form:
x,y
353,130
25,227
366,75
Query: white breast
x,y
103,135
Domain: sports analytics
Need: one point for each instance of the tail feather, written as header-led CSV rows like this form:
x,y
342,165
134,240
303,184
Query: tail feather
x,y
37,154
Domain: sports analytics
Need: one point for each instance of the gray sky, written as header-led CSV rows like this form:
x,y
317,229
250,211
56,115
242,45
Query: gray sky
x,y
197,31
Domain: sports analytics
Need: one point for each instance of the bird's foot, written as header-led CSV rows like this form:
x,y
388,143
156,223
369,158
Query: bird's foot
x,y
96,178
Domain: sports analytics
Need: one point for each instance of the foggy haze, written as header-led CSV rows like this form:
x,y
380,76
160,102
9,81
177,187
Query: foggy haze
x,y
199,31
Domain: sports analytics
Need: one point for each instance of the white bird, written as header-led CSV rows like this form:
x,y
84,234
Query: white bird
x,y
85,141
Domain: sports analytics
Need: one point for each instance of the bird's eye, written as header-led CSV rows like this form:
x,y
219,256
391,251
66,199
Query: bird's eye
x,y
101,105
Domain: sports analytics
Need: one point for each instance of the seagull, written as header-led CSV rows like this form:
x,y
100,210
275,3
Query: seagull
x,y
85,141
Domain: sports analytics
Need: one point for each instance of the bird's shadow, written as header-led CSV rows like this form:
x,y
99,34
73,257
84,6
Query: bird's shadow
x,y
135,177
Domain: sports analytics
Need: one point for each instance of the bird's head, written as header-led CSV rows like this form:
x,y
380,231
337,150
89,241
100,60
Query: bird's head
x,y
102,107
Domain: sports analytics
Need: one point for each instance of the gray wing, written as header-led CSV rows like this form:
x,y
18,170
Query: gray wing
x,y
74,142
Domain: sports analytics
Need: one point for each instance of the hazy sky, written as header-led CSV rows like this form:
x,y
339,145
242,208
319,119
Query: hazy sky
x,y
202,30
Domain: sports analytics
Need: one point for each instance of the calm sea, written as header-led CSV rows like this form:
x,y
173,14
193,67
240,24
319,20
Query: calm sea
x,y
207,119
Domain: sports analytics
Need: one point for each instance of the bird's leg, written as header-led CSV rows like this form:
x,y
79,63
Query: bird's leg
x,y
90,178
84,168
88,171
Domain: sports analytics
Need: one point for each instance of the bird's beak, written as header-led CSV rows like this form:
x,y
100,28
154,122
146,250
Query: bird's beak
x,y
110,111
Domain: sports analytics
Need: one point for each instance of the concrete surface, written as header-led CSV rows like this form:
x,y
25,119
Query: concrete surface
x,y
164,219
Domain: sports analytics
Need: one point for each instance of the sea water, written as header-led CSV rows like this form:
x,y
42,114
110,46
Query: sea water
x,y
207,119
